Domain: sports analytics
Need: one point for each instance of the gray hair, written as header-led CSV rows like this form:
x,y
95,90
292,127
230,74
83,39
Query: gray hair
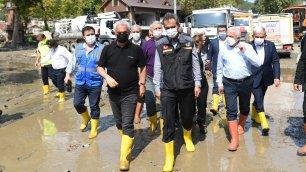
x,y
259,29
236,30
122,22
136,26
155,23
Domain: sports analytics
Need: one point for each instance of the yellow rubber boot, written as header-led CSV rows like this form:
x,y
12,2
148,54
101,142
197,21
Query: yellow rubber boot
x,y
45,89
126,150
85,120
264,123
61,97
188,141
153,122
120,133
215,104
161,125
169,157
57,94
94,128
254,115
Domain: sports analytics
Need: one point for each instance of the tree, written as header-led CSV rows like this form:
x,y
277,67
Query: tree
x,y
272,6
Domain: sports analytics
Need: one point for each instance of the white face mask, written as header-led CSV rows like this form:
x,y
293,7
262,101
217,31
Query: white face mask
x,y
157,33
135,36
172,33
259,41
91,39
230,41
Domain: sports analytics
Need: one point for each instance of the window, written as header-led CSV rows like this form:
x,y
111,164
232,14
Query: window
x,y
115,2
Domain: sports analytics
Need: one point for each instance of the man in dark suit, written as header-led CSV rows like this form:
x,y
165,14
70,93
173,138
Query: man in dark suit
x,y
212,55
300,85
263,76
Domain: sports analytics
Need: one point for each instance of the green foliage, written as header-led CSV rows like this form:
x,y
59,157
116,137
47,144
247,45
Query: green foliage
x,y
272,6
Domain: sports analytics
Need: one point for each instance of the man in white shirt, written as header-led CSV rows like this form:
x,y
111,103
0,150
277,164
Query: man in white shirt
x,y
60,58
234,78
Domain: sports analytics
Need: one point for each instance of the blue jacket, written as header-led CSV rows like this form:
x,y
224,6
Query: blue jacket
x,y
86,65
270,69
212,55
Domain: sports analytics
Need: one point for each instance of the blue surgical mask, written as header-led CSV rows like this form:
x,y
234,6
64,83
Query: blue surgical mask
x,y
222,35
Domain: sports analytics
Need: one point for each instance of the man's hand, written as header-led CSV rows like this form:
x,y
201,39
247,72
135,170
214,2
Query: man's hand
x,y
67,78
297,87
242,48
142,90
221,89
276,82
208,73
157,95
111,82
197,91
37,64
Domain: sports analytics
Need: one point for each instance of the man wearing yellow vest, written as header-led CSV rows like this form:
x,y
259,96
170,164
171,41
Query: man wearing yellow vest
x,y
43,62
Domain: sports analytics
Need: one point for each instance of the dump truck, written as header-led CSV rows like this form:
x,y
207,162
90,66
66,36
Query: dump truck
x,y
207,20
279,28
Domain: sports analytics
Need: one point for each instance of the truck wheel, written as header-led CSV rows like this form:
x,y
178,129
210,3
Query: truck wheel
x,y
72,47
105,43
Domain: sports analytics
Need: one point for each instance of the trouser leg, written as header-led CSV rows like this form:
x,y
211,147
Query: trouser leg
x,y
202,103
150,97
244,94
186,102
94,95
115,104
128,105
168,104
231,94
44,75
80,95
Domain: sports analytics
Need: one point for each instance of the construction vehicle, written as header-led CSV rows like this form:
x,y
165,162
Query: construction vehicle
x,y
69,31
299,21
279,29
207,20
244,21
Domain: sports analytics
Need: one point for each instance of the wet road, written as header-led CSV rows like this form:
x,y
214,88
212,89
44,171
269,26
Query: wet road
x,y
38,134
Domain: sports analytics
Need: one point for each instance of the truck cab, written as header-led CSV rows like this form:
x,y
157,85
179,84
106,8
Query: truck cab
x,y
207,20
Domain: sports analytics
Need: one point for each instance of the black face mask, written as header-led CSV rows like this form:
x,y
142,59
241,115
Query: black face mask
x,y
122,37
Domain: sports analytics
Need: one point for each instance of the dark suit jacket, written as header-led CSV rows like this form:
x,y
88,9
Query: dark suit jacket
x,y
212,55
300,77
270,69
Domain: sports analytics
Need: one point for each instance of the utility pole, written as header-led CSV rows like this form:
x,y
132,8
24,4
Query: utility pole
x,y
174,4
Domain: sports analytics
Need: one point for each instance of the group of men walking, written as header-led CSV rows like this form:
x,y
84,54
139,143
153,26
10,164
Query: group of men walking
x,y
171,68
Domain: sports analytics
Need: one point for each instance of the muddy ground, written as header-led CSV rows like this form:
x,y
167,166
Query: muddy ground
x,y
38,134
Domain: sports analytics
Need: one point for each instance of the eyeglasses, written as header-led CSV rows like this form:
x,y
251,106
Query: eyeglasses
x,y
259,36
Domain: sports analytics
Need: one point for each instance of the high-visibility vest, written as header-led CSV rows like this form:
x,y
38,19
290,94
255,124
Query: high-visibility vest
x,y
44,49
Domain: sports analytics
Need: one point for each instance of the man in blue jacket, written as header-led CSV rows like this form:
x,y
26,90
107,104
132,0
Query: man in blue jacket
x,y
263,76
88,81
212,55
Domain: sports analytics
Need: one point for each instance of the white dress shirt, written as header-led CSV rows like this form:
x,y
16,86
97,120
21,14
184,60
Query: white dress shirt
x,y
60,57
234,64
261,52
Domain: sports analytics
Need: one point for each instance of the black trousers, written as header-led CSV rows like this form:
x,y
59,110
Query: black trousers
x,y
123,108
304,107
46,73
259,95
186,103
94,95
58,76
202,103
237,89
